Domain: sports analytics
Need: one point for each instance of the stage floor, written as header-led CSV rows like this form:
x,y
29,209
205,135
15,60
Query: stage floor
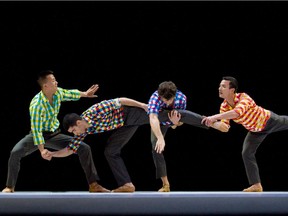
x,y
144,203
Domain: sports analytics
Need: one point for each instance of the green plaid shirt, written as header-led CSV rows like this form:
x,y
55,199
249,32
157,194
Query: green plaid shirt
x,y
43,116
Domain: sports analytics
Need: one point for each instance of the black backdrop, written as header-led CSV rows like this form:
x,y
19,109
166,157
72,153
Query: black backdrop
x,y
128,48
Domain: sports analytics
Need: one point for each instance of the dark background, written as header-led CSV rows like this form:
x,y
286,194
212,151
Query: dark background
x,y
128,48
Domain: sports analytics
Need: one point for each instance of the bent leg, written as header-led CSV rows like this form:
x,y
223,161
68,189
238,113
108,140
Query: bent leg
x,y
86,160
23,148
84,153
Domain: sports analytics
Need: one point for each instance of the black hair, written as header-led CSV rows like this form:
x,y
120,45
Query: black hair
x,y
70,120
42,76
233,82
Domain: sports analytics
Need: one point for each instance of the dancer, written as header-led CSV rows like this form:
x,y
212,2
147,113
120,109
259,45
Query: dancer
x,y
259,122
167,98
45,132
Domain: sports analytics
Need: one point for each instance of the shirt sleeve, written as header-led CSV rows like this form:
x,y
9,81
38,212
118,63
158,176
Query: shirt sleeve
x,y
69,94
154,104
76,142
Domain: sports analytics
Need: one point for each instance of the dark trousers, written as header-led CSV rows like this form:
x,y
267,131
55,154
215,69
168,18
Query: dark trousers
x,y
187,117
254,139
133,118
54,141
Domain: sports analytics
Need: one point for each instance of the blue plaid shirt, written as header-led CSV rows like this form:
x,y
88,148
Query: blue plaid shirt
x,y
156,105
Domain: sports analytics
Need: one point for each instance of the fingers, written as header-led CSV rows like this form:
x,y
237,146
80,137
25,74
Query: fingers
x,y
225,127
207,121
91,91
175,113
159,149
174,116
49,158
203,120
47,155
156,148
94,86
221,126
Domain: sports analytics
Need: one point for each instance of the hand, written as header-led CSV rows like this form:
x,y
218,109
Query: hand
x,y
91,91
145,107
160,144
46,154
208,121
174,117
221,126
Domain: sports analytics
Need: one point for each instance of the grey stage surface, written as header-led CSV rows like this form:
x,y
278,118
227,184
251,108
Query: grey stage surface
x,y
144,203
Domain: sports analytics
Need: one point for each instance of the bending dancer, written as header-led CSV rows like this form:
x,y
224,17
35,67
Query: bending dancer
x,y
167,98
124,116
45,132
259,122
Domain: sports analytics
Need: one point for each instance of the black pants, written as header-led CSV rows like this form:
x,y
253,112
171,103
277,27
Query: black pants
x,y
187,117
133,118
54,141
254,139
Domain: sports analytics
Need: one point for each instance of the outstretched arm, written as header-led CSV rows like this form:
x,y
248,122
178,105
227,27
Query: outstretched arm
x,y
130,102
47,155
209,120
61,153
215,120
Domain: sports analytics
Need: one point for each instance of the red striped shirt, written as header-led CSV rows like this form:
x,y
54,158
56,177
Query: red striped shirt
x,y
251,116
